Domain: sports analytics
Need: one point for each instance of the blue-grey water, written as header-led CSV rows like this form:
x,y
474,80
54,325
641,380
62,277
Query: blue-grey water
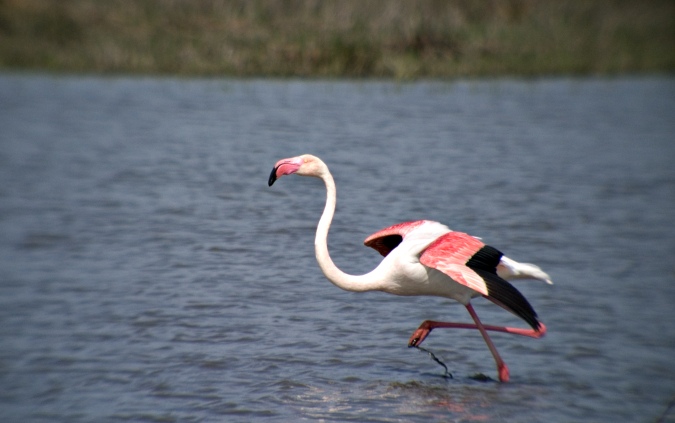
x,y
147,272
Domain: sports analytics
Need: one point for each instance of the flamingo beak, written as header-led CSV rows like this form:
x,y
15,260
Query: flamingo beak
x,y
284,167
273,176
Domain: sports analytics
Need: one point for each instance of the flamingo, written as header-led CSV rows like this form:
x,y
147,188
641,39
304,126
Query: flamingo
x,y
424,257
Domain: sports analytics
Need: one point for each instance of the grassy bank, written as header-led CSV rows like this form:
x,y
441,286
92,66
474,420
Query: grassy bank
x,y
353,38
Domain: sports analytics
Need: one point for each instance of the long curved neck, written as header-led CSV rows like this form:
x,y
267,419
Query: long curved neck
x,y
339,278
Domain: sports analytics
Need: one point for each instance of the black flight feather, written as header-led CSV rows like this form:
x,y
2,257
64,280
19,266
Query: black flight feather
x,y
385,244
484,263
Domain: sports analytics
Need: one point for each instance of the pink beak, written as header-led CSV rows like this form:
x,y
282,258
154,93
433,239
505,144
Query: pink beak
x,y
284,167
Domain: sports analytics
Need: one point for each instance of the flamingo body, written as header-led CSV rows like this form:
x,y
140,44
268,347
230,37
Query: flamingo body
x,y
426,258
457,265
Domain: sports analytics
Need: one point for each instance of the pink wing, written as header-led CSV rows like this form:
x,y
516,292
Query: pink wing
x,y
463,258
450,254
387,239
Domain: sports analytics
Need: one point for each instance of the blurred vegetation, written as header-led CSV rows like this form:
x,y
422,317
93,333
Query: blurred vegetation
x,y
347,38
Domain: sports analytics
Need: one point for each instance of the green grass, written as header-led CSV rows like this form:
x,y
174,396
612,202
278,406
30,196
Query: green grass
x,y
348,38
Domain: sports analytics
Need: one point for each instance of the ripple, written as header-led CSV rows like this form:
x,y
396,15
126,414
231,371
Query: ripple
x,y
149,274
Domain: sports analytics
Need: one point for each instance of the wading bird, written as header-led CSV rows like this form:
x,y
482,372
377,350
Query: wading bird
x,y
427,258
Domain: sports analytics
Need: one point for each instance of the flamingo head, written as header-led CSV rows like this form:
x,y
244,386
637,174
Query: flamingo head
x,y
305,165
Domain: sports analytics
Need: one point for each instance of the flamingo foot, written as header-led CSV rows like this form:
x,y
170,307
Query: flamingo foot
x,y
503,373
420,334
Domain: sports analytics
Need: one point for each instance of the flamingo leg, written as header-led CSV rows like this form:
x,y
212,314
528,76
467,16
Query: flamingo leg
x,y
428,325
501,366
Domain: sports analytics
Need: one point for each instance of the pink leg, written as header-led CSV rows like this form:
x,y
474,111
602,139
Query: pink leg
x,y
501,366
428,325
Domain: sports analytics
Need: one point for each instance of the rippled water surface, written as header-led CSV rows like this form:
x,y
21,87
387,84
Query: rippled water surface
x,y
149,274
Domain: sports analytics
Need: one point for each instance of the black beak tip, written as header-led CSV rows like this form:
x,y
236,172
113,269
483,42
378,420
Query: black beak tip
x,y
273,177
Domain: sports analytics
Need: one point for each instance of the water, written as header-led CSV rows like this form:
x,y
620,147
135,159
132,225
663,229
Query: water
x,y
149,274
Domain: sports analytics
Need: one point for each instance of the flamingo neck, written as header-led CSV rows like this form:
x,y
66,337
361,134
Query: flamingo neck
x,y
337,277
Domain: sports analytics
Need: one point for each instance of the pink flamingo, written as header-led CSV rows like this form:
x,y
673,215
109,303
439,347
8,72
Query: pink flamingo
x,y
427,258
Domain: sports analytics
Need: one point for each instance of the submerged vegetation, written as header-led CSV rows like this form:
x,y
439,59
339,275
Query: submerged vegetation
x,y
353,38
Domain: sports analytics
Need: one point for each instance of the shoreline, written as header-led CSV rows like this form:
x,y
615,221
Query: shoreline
x,y
337,79
351,39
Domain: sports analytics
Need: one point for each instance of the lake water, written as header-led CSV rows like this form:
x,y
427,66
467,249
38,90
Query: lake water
x,y
149,274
